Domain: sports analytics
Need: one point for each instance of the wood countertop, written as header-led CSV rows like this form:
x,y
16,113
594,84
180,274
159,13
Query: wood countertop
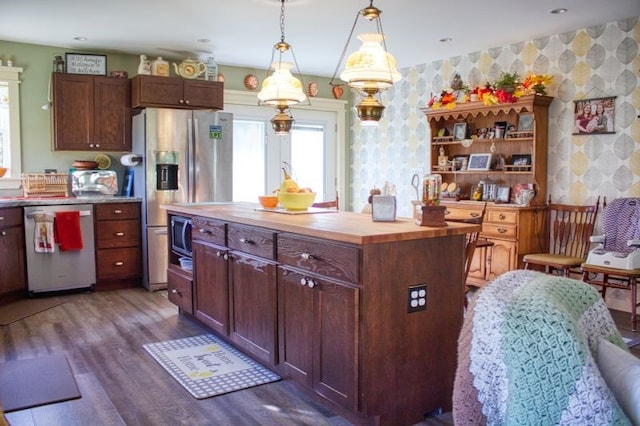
x,y
355,228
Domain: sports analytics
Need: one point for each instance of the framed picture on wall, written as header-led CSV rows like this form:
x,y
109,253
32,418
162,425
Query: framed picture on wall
x,y
594,116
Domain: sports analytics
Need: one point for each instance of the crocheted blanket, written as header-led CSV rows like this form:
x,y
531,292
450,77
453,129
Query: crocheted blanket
x,y
526,355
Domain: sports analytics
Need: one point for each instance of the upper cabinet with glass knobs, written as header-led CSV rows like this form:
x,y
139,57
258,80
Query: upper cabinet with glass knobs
x,y
91,113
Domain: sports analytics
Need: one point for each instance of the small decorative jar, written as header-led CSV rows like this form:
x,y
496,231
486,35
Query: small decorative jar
x,y
431,187
58,63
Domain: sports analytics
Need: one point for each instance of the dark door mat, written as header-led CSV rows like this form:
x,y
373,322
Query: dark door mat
x,y
28,383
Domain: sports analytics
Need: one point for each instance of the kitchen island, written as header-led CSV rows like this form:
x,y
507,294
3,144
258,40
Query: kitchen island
x,y
365,314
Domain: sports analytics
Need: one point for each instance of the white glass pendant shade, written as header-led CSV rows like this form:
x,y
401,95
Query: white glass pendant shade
x,y
281,88
370,67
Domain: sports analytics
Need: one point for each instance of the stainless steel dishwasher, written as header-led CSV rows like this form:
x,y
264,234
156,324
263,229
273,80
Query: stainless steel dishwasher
x,y
60,270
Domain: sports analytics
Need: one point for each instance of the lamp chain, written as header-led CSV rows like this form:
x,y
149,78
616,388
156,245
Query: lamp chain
x,y
344,51
282,21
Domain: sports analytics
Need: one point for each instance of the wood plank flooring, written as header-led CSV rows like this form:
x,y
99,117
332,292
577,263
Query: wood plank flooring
x,y
102,336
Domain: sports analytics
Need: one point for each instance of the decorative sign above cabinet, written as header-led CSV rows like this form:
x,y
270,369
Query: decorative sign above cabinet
x,y
80,63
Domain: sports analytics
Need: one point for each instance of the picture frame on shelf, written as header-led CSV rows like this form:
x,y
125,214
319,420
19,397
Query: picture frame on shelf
x,y
460,162
84,63
525,122
594,116
459,131
479,162
503,194
521,160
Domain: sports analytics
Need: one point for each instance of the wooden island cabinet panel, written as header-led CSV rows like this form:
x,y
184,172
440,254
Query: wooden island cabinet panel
x,y
326,301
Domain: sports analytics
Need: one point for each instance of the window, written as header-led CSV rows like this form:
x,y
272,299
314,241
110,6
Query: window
x,y
10,126
310,148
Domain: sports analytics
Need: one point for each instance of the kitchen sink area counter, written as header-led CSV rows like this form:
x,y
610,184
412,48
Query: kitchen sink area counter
x,y
364,314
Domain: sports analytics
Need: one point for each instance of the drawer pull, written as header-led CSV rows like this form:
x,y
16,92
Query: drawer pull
x,y
307,256
502,230
223,255
119,234
118,211
174,291
203,231
502,216
119,263
4,233
1,217
246,241
474,214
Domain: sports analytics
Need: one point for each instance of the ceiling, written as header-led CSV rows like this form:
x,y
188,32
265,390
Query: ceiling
x,y
242,32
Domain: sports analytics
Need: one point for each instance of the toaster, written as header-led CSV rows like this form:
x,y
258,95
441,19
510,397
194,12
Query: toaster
x,y
94,183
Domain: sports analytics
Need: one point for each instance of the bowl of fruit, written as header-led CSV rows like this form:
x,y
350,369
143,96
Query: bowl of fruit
x,y
301,200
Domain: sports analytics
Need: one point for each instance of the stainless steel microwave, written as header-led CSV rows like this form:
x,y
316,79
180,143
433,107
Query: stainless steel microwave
x,y
181,235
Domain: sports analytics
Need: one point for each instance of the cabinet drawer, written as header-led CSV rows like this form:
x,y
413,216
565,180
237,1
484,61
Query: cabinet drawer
x,y
119,263
180,288
498,230
10,217
112,234
257,241
462,213
502,217
117,211
209,230
330,259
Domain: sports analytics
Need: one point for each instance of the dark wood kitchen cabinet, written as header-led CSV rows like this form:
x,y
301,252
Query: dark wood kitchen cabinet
x,y
175,92
91,113
252,286
210,260
118,245
13,284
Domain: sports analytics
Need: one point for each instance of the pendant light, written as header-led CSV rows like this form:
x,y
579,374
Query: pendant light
x,y
370,69
282,90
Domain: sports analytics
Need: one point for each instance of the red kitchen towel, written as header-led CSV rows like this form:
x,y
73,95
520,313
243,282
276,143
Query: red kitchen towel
x,y
67,230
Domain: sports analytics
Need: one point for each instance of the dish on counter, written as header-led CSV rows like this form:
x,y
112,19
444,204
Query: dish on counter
x,y
84,165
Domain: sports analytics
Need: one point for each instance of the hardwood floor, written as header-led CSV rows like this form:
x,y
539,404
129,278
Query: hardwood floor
x,y
102,336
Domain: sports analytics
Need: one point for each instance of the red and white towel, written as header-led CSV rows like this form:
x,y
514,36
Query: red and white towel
x,y
43,238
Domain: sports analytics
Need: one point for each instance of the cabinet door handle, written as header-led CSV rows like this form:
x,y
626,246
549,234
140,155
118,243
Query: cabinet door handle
x,y
223,255
118,263
90,145
186,102
174,291
307,256
303,281
4,233
97,145
119,234
474,214
203,231
502,216
1,217
502,230
181,101
311,283
246,241
117,211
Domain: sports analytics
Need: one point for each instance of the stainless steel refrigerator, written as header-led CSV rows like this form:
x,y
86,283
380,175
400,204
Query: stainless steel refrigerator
x,y
186,157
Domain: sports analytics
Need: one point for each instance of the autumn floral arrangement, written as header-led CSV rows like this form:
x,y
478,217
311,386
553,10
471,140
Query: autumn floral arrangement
x,y
506,89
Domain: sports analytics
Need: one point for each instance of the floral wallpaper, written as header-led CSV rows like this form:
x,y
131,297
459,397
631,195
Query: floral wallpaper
x,y
594,62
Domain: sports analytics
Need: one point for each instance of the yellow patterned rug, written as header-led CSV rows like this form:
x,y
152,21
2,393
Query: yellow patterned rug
x,y
207,366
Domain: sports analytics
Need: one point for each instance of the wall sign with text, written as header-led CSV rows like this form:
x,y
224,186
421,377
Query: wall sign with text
x,y
80,63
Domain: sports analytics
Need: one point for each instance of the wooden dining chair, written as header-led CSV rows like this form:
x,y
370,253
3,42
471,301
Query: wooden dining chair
x,y
570,228
472,241
330,204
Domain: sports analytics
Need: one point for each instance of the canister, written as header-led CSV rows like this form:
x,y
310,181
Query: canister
x,y
431,187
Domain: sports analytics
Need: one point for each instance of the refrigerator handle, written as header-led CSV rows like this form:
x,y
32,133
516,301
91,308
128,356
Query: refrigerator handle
x,y
190,164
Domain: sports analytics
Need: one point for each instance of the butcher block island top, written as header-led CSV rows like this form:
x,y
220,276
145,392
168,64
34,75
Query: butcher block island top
x,y
363,316
355,228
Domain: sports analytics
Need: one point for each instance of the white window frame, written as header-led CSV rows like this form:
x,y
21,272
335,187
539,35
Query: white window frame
x,y
12,76
337,106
